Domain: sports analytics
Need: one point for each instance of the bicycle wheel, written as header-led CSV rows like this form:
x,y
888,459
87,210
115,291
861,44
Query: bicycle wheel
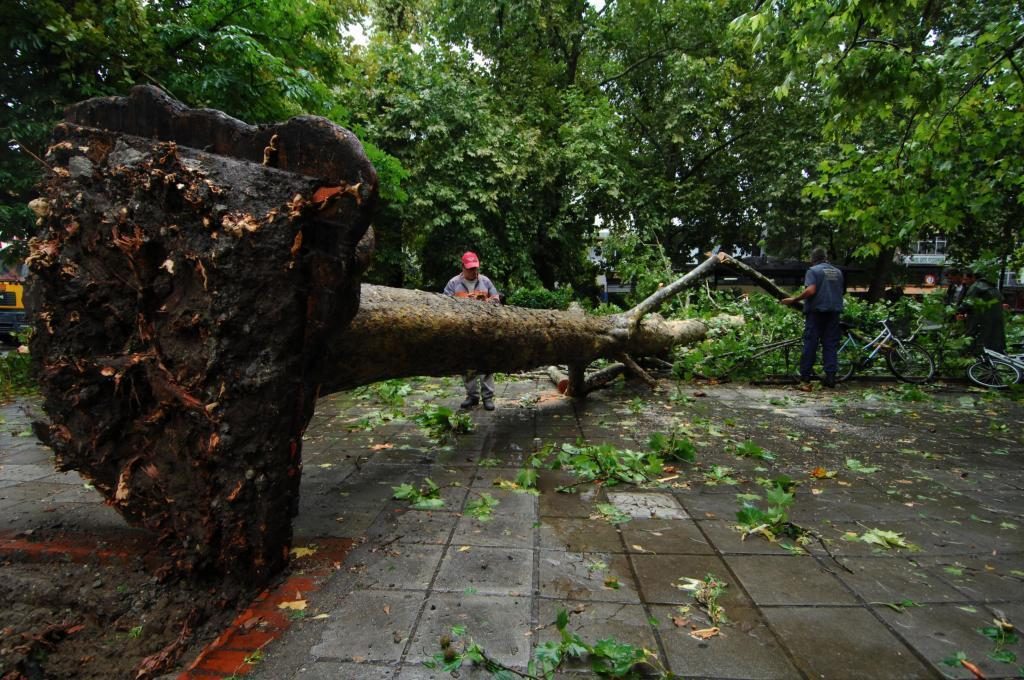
x,y
849,351
994,373
911,363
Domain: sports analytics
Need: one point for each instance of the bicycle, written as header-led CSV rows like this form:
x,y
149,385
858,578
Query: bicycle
x,y
997,370
905,358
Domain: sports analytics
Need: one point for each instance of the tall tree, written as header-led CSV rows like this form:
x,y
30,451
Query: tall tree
x,y
262,61
926,105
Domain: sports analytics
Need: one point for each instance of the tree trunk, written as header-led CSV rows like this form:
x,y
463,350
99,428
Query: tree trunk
x,y
880,274
189,308
399,333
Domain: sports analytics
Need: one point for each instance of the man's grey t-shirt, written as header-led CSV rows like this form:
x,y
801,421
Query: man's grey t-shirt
x,y
828,283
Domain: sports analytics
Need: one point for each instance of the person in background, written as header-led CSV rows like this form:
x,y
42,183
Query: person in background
x,y
954,288
473,285
823,293
982,308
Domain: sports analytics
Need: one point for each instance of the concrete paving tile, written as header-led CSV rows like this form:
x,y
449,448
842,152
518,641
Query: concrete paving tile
x,y
75,494
938,632
487,571
408,566
499,624
893,579
509,453
926,539
990,578
665,537
32,454
726,539
788,579
66,478
412,526
508,530
722,506
385,619
658,575
554,503
468,671
579,535
80,516
331,670
401,455
512,503
745,648
996,536
843,643
370,489
8,504
866,505
25,473
596,621
647,505
589,577
501,531
338,522
485,476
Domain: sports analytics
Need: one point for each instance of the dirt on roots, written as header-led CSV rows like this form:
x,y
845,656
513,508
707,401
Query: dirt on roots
x,y
96,616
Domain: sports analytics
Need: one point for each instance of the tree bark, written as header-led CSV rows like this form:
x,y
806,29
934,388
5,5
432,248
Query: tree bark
x,y
880,274
399,333
190,307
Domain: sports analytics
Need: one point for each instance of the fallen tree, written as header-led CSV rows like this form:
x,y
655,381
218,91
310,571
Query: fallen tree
x,y
195,289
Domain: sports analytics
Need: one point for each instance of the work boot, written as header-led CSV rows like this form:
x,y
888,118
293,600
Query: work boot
x,y
470,402
488,404
830,380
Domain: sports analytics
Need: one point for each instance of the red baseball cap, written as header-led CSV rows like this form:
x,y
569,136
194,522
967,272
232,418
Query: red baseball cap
x,y
470,260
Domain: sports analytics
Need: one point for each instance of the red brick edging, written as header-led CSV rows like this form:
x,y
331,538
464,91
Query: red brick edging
x,y
232,653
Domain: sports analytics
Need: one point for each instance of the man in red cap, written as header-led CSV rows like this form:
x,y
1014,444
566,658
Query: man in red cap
x,y
474,285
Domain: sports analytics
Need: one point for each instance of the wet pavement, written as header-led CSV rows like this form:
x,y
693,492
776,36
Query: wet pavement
x,y
941,468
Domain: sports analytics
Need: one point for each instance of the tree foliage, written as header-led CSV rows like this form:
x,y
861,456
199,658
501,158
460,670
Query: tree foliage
x,y
924,103
259,61
517,129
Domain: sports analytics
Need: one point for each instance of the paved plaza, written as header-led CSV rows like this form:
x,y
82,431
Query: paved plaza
x,y
939,470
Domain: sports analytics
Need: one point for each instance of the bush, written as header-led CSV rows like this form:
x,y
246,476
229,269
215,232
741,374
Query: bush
x,y
541,298
15,375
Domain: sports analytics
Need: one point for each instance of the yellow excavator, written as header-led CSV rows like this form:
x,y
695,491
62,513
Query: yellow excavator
x,y
12,303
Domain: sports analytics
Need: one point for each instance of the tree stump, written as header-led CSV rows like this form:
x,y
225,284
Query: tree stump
x,y
183,301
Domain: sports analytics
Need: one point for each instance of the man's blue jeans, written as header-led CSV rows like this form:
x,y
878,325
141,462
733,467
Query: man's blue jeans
x,y
820,328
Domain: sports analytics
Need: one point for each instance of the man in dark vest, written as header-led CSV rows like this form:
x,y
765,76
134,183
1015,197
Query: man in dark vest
x,y
982,306
823,292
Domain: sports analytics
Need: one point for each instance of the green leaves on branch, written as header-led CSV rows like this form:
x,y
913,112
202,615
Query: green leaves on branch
x,y
440,422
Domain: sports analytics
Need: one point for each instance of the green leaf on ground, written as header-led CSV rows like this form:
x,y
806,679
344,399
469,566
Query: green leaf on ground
x,y
856,466
482,507
749,449
611,514
887,540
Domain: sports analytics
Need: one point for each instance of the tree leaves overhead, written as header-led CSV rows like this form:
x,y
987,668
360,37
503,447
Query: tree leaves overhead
x,y
924,103
258,61
517,129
